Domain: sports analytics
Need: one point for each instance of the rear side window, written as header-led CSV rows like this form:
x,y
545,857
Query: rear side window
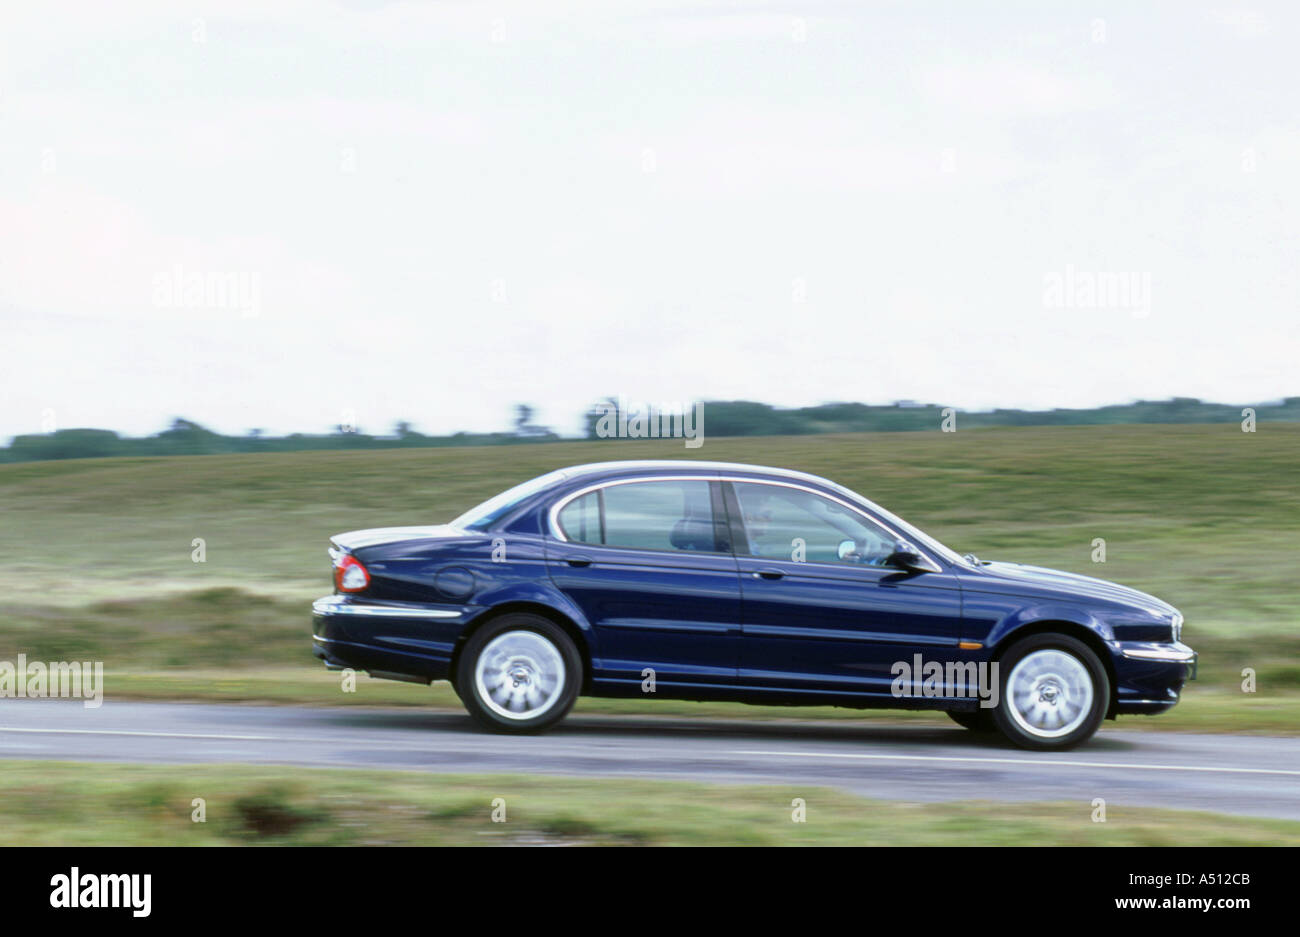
x,y
580,519
659,515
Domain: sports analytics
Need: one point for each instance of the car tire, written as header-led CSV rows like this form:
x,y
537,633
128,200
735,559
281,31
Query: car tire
x,y
519,673
1053,693
977,720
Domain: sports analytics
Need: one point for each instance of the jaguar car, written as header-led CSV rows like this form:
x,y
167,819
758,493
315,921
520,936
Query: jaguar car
x,y
698,580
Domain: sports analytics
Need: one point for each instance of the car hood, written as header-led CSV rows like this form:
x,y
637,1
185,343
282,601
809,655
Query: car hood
x,y
1057,584
357,539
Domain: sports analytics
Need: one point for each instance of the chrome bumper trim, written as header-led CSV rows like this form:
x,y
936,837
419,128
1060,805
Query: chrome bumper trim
x,y
332,606
1179,653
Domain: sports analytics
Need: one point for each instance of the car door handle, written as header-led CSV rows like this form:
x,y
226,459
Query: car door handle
x,y
579,561
768,574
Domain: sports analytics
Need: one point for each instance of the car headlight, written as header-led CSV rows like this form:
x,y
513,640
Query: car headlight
x,y
1177,624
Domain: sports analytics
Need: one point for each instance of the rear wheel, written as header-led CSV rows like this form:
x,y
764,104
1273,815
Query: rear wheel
x,y
1054,692
519,673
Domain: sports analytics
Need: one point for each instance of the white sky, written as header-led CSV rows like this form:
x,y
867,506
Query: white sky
x,y
447,208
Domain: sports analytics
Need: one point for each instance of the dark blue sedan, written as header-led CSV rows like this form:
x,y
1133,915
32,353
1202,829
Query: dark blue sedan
x,y
706,580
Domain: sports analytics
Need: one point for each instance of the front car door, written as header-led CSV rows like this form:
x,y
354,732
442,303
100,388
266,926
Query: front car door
x,y
823,612
648,561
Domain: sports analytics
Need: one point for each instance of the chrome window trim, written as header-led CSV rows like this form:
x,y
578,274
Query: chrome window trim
x,y
556,531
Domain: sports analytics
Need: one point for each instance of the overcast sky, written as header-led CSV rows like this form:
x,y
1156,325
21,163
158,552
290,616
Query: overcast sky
x,y
270,214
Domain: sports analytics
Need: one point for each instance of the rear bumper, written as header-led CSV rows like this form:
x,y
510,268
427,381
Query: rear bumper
x,y
388,638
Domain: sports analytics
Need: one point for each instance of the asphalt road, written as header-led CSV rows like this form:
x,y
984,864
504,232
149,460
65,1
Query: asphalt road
x,y
1247,775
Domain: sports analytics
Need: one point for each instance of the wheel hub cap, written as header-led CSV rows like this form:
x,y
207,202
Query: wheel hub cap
x,y
519,675
1049,693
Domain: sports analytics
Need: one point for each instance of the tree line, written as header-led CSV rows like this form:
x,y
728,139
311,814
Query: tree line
x,y
721,418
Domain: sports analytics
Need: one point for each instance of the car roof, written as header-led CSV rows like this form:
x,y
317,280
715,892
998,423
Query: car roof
x,y
643,466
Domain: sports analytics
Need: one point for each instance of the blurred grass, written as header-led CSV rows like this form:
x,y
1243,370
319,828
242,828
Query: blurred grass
x,y
97,553
65,804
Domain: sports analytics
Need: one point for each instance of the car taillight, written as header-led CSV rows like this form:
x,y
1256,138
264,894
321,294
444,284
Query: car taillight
x,y
350,575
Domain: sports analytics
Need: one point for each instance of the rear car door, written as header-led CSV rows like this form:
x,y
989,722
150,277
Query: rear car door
x,y
648,562
823,612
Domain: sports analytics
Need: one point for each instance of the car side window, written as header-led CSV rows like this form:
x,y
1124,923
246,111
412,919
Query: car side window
x,y
674,514
791,524
580,519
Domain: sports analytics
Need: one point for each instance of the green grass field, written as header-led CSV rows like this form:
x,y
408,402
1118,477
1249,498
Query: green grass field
x,y
97,553
92,805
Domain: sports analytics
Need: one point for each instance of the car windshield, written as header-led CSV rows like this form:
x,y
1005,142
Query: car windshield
x,y
493,509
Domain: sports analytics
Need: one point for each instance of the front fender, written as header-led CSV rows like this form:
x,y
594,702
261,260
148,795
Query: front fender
x,y
1016,619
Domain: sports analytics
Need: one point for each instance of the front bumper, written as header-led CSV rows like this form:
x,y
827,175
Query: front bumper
x,y
1176,653
1149,676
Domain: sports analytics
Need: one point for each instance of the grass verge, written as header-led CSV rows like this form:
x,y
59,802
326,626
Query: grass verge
x,y
56,803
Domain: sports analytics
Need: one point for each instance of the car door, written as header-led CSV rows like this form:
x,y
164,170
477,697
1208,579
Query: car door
x,y
649,564
823,616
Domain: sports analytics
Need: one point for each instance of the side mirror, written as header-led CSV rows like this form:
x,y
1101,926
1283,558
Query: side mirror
x,y
906,556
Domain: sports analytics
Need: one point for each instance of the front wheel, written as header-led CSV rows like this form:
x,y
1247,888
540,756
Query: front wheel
x,y
519,673
1054,692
